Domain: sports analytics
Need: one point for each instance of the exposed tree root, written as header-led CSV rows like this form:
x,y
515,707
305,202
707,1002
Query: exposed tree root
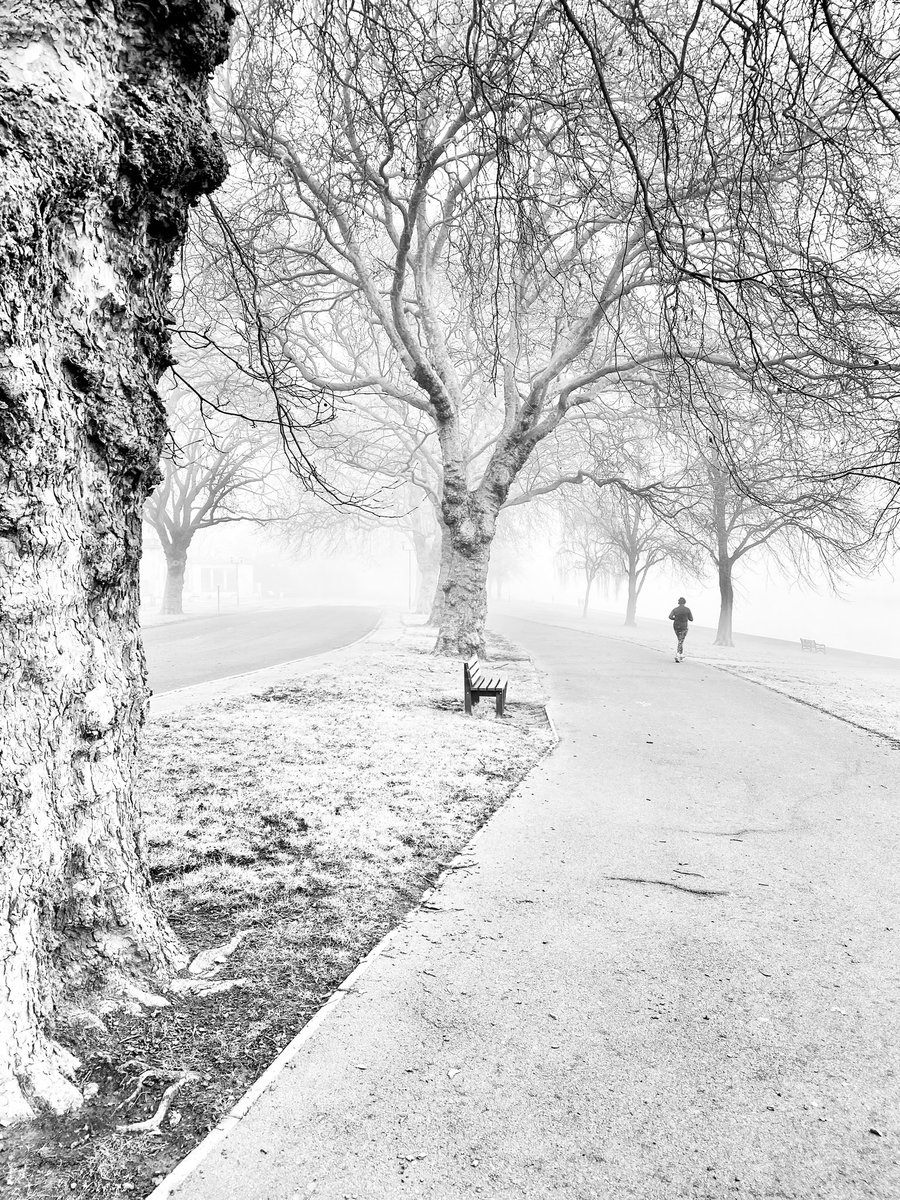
x,y
148,1073
204,968
204,987
144,998
48,1081
153,1124
210,962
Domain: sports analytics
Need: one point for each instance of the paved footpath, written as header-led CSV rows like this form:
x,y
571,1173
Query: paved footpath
x,y
672,973
196,649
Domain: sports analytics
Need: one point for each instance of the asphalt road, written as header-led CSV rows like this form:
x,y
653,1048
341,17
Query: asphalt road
x,y
199,649
671,972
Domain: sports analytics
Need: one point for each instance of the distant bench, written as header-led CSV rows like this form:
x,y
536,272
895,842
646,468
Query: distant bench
x,y
476,684
812,647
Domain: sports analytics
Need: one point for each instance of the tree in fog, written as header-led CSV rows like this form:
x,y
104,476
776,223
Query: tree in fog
x,y
492,216
585,545
105,144
383,455
395,190
217,471
811,531
615,534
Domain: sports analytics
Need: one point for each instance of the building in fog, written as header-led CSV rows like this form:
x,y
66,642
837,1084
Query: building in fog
x,y
208,580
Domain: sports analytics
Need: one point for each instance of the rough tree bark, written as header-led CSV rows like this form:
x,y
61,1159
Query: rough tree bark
x,y
104,141
471,520
464,610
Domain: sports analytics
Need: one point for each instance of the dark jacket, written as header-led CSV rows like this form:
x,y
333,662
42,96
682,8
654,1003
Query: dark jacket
x,y
680,615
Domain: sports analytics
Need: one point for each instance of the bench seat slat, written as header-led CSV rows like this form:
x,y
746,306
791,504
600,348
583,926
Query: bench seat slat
x,y
478,683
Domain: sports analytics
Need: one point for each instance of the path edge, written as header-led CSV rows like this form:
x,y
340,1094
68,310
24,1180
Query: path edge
x,y
727,669
182,1170
309,663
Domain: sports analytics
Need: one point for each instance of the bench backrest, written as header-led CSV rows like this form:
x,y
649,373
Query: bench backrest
x,y
471,667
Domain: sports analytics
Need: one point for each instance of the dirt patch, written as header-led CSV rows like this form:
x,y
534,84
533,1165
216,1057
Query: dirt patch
x,y
312,816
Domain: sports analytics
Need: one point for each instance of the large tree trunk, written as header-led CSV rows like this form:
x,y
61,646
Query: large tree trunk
x,y
104,142
440,587
631,602
464,610
471,519
726,605
173,596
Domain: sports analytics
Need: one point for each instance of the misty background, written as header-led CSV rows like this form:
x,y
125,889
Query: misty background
x,y
861,616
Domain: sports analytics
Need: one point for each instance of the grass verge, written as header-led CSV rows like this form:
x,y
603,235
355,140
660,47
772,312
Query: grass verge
x,y
310,815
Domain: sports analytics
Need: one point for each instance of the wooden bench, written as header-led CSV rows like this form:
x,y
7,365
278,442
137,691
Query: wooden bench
x,y
477,684
812,647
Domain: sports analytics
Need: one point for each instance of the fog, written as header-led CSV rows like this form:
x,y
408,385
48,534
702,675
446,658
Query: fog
x,y
382,571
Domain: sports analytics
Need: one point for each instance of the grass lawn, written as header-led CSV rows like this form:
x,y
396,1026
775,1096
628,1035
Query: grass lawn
x,y
310,815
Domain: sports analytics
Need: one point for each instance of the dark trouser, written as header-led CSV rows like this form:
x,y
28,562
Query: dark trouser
x,y
681,634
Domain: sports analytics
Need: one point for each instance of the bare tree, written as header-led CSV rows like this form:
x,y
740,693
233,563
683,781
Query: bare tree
x,y
782,275
105,142
216,472
585,544
827,526
481,214
641,540
420,281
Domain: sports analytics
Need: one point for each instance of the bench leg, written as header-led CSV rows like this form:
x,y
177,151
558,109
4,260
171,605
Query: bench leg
x,y
467,699
500,700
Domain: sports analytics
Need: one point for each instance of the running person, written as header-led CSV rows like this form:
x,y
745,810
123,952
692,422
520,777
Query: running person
x,y
679,616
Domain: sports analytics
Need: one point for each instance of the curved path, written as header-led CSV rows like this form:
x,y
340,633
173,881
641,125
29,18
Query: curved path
x,y
200,649
672,973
